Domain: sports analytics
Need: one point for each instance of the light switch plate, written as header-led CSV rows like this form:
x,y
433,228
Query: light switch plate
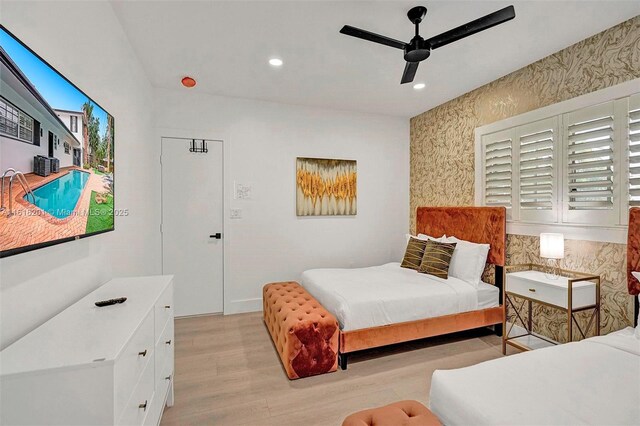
x,y
235,213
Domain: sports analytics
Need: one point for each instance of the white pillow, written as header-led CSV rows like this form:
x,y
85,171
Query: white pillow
x,y
429,237
468,260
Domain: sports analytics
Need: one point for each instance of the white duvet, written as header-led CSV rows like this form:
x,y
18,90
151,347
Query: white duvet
x,y
593,382
386,294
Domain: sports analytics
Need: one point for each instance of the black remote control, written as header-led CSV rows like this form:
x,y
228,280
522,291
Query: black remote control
x,y
102,303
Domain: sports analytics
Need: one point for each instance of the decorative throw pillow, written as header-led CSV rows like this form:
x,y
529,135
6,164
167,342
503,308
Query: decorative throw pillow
x,y
413,254
436,259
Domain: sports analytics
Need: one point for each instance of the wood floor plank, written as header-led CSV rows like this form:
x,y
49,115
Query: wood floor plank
x,y
227,372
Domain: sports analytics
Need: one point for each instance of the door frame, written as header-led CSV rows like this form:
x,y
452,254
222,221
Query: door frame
x,y
225,243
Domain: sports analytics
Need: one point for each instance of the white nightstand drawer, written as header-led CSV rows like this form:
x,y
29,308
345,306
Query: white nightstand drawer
x,y
535,285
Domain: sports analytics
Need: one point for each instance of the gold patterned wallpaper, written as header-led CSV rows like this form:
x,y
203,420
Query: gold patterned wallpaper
x,y
442,153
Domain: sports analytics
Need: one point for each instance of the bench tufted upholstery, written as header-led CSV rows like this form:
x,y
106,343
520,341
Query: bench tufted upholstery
x,y
304,333
403,413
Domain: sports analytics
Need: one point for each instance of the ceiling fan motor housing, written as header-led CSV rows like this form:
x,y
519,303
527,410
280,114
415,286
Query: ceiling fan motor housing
x,y
417,50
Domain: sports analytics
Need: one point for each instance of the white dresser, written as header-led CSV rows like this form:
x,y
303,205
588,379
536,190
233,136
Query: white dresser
x,y
90,365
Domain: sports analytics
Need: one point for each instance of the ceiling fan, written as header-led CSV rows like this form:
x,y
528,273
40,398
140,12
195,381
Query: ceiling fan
x,y
419,49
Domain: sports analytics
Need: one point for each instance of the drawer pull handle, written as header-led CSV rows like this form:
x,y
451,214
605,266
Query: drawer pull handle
x,y
167,306
168,377
143,406
532,290
143,353
168,342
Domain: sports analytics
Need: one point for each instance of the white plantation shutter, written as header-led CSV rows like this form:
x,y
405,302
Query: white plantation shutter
x,y
580,167
537,170
498,173
590,189
634,150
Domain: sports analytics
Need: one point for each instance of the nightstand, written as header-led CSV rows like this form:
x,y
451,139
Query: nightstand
x,y
570,292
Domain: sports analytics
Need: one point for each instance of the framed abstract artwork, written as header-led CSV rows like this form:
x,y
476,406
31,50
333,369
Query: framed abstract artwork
x,y
326,187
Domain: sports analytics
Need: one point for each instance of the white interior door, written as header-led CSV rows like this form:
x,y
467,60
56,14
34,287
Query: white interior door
x,y
192,214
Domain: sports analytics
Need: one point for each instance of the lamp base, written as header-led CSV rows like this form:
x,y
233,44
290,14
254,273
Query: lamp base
x,y
552,269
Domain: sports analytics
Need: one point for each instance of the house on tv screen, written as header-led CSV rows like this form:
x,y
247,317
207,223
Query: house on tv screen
x,y
31,129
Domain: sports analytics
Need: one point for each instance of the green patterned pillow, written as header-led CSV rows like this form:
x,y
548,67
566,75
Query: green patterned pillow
x,y
436,259
413,254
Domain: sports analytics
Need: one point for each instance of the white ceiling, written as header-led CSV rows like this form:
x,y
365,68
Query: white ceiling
x,y
226,46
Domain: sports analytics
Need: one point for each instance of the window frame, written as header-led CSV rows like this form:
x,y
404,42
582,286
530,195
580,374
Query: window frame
x,y
20,127
614,231
73,123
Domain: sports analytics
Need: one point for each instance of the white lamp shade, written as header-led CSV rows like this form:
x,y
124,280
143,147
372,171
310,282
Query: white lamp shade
x,y
552,246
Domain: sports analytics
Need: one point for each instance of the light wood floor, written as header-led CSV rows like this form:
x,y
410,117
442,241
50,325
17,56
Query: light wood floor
x,y
228,373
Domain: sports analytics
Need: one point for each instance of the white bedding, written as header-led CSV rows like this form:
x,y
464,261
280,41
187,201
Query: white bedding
x,y
596,381
388,294
488,296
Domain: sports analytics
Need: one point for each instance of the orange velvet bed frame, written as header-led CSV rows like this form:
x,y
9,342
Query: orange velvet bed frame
x,y
633,256
486,225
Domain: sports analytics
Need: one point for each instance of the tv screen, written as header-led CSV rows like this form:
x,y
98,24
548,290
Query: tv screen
x,y
56,155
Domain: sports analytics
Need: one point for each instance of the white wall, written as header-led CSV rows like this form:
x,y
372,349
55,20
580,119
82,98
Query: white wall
x,y
261,142
35,286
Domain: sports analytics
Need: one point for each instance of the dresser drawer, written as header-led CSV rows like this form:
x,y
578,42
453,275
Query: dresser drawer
x,y
129,367
164,355
139,405
158,404
535,285
163,309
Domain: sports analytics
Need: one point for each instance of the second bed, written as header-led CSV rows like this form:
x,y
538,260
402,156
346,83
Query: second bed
x,y
388,304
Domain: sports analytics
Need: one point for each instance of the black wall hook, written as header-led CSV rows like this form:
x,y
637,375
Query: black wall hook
x,y
200,147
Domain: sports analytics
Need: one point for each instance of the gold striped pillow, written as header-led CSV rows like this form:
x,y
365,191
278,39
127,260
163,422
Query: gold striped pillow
x,y
413,254
436,259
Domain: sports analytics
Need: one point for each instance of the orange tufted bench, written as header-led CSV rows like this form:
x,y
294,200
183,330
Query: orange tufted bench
x,y
304,333
403,413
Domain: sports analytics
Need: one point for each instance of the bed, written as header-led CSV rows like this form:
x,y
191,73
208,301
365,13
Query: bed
x,y
595,381
387,304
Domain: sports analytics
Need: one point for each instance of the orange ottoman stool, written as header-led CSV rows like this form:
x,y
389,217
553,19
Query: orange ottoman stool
x,y
403,413
304,333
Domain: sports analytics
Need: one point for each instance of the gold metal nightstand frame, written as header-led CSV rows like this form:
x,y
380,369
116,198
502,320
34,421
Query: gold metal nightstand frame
x,y
573,276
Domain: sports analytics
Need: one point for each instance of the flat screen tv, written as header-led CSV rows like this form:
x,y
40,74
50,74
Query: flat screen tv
x,y
56,155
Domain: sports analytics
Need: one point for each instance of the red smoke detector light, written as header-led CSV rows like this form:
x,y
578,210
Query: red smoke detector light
x,y
188,82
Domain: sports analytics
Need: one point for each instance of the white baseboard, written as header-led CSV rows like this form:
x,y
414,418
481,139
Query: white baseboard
x,y
242,306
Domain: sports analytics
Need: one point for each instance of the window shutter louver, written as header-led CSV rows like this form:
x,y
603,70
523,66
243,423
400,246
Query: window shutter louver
x,y
537,170
498,171
590,161
634,151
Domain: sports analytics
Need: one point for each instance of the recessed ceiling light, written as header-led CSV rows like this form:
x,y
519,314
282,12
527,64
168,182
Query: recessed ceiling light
x,y
419,86
276,62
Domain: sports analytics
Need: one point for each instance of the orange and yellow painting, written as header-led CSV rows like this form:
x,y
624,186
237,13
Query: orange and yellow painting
x,y
326,187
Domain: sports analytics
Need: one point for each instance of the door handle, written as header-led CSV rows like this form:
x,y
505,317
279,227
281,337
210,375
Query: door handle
x,y
217,236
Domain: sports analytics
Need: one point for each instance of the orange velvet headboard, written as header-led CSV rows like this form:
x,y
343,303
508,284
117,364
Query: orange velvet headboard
x,y
483,225
633,250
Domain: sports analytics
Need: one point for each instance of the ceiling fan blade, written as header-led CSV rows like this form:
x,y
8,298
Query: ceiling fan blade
x,y
376,38
409,72
473,27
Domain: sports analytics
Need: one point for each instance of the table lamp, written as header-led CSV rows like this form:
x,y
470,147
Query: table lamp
x,y
552,247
